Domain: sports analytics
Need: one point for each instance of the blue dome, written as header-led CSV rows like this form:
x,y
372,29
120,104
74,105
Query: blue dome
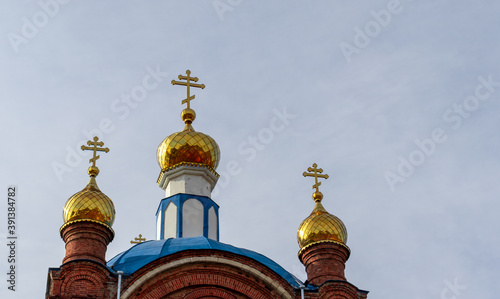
x,y
144,253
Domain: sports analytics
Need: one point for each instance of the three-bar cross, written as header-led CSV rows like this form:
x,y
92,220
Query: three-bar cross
x,y
188,84
97,146
316,173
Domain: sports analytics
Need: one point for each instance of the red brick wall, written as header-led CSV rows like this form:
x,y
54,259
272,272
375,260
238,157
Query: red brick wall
x,y
209,279
86,240
81,279
340,290
324,261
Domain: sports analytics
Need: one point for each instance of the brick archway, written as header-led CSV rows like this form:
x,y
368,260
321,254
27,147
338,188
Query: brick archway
x,y
195,275
82,277
209,293
183,282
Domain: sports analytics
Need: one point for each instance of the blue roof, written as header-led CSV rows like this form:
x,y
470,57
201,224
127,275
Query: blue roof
x,y
144,253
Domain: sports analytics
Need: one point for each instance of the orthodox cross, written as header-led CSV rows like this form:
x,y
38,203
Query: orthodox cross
x,y
316,173
97,146
188,84
138,240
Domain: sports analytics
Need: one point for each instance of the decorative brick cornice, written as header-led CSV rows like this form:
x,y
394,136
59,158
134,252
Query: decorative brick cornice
x,y
86,220
324,241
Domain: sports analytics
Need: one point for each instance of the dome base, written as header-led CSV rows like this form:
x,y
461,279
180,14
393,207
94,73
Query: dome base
x,y
86,239
188,178
324,261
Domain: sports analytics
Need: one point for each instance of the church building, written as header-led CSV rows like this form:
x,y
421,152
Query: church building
x,y
187,260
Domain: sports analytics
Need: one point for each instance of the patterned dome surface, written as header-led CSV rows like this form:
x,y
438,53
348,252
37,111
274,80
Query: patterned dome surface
x,y
321,226
188,146
89,204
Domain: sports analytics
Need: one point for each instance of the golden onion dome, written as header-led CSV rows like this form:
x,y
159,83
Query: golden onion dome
x,y
90,204
321,226
188,146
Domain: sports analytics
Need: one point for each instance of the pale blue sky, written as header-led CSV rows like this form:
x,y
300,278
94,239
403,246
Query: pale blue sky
x,y
360,82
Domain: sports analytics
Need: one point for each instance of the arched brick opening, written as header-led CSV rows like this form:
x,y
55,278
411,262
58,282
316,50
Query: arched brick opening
x,y
226,278
209,293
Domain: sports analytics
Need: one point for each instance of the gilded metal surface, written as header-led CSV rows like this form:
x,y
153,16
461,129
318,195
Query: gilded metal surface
x,y
188,116
316,173
188,84
321,226
138,240
97,146
188,146
90,204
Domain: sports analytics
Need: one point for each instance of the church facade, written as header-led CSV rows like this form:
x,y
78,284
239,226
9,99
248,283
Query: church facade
x,y
187,260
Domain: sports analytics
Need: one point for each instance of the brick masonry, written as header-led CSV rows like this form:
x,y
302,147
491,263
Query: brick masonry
x,y
190,274
324,261
86,240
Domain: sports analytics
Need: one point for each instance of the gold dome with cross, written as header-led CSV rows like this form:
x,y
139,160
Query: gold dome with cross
x,y
90,204
188,146
320,226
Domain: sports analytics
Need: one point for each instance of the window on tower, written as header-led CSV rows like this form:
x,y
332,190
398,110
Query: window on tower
x,y
158,226
170,228
192,218
212,224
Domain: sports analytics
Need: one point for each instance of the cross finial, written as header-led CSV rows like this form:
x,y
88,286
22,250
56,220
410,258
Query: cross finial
x,y
315,172
188,84
97,146
138,240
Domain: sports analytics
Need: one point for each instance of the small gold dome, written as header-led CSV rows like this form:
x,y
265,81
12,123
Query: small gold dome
x,y
188,146
89,204
321,226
